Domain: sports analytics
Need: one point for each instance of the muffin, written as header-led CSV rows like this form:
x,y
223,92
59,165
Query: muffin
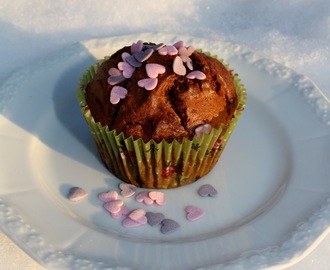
x,y
160,115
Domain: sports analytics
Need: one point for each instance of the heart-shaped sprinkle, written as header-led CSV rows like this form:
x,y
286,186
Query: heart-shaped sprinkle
x,y
142,56
187,61
154,69
148,84
112,80
76,194
127,190
139,216
178,66
207,190
179,44
129,223
114,72
124,211
154,219
158,197
193,212
168,50
201,129
109,196
155,47
116,76
169,226
127,69
196,74
144,197
117,93
133,62
113,206
124,56
183,51
136,47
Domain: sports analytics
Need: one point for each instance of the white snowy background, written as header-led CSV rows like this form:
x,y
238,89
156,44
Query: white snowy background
x,y
295,33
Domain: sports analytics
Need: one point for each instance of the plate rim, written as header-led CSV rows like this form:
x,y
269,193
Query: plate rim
x,y
316,223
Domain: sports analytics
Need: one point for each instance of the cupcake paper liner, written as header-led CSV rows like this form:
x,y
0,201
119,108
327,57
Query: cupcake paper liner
x,y
158,165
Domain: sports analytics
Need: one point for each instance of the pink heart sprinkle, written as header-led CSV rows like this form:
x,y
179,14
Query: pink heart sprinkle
x,y
117,93
201,129
186,51
144,197
154,69
193,212
196,74
178,66
148,84
127,190
187,61
113,206
129,223
136,47
127,69
109,196
168,50
124,211
114,72
158,197
179,44
142,56
138,215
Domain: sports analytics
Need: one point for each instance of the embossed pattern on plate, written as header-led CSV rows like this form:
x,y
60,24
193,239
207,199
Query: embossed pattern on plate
x,y
273,205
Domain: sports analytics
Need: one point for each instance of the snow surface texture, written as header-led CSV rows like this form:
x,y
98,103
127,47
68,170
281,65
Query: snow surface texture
x,y
292,32
295,33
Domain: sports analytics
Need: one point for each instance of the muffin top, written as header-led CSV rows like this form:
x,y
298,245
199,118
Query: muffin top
x,y
161,92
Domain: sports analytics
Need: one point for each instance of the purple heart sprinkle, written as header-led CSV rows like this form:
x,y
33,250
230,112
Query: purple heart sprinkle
x,y
207,190
155,47
124,56
136,47
133,62
142,56
154,219
76,194
112,80
168,226
127,69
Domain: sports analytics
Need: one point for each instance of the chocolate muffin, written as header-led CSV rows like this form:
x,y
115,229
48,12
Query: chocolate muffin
x,y
160,114
174,108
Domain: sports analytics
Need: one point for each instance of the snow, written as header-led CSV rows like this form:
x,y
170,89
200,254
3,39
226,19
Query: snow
x,y
295,33
292,32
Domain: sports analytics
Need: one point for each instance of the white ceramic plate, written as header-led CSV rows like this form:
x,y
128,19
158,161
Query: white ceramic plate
x,y
273,178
